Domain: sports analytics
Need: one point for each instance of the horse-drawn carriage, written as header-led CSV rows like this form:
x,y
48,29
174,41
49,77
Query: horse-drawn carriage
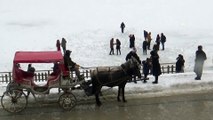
x,y
15,98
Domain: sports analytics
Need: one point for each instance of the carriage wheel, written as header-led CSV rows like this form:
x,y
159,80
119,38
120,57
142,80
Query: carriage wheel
x,y
67,101
14,101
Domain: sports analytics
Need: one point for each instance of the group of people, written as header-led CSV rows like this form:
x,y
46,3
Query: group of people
x,y
147,42
118,46
152,65
200,57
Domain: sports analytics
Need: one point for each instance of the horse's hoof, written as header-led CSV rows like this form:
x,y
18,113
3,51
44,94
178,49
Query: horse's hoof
x,y
99,104
118,100
124,101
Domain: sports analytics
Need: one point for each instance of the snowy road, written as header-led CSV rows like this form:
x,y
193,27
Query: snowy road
x,y
185,107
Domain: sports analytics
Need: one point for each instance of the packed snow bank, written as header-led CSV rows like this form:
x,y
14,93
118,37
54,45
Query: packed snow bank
x,y
169,84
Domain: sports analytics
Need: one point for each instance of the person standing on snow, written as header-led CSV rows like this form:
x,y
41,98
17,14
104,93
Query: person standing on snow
x,y
145,33
158,41
200,57
118,46
131,41
131,54
122,27
156,68
180,64
146,68
144,46
163,40
149,38
111,47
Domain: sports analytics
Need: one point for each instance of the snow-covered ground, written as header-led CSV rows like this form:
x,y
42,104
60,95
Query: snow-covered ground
x,y
89,25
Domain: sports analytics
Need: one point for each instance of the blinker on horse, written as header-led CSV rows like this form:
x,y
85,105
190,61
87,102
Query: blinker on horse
x,y
114,76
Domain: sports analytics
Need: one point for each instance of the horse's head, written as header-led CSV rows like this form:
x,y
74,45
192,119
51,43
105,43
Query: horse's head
x,y
132,67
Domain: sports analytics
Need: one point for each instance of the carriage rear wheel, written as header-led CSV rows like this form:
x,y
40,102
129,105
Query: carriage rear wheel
x,y
14,101
67,101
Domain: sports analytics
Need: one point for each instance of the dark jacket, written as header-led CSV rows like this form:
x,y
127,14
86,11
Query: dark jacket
x,y
200,56
163,38
156,68
145,44
180,64
146,67
133,54
68,61
122,25
118,44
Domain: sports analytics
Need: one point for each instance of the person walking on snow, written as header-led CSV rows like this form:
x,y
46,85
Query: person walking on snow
x,y
122,27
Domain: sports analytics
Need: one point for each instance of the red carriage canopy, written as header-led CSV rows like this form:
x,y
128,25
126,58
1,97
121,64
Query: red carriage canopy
x,y
38,57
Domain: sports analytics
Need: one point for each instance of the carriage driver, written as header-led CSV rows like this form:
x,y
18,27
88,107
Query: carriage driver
x,y
70,65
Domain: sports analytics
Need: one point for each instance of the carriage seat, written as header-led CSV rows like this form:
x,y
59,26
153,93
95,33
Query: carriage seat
x,y
23,77
52,79
65,71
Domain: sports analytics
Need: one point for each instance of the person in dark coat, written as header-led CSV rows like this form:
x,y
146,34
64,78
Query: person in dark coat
x,y
180,64
131,54
118,46
71,65
156,68
163,40
58,45
146,68
155,47
122,27
200,57
145,33
158,41
132,41
145,44
111,47
63,44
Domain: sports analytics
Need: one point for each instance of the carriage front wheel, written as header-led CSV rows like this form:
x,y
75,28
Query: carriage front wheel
x,y
14,101
67,101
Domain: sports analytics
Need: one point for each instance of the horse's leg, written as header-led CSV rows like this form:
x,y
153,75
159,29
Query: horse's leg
x,y
98,102
118,97
123,93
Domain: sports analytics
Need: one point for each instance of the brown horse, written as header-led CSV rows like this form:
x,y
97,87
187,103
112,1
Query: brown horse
x,y
114,76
